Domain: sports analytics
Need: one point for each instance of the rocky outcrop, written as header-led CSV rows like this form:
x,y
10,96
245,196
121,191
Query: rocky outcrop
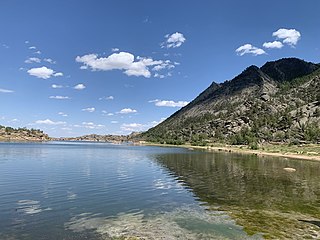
x,y
22,135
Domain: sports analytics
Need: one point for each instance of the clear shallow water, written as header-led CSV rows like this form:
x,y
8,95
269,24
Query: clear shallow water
x,y
105,191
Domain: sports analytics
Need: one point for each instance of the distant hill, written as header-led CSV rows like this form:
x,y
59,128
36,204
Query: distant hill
x,y
98,138
22,134
279,102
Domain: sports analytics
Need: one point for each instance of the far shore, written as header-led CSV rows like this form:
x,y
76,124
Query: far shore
x,y
305,152
314,156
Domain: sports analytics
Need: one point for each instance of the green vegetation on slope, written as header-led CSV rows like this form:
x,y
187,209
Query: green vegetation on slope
x,y
252,108
22,134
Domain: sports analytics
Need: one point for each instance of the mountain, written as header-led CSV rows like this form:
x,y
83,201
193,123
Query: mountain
x,y
278,102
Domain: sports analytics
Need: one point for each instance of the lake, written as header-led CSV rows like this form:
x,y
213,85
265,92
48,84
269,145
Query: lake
x,y
78,190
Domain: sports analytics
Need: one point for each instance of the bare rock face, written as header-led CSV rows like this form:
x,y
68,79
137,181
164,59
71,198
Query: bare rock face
x,y
278,102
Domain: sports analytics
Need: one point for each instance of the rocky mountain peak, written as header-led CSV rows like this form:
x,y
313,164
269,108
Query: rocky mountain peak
x,y
260,104
287,69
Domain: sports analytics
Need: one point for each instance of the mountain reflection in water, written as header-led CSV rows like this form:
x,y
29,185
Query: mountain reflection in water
x,y
256,191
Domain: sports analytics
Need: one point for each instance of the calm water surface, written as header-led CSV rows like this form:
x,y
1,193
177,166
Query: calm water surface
x,y
104,191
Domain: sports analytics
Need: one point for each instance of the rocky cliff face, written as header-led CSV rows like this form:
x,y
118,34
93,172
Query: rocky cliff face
x,y
278,102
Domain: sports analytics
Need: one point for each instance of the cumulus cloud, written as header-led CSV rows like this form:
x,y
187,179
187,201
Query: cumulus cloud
x,y
249,49
174,40
5,90
115,49
127,110
79,86
33,60
90,109
32,47
43,72
289,36
58,74
63,114
49,122
274,44
59,97
56,86
123,61
107,98
49,60
92,125
168,103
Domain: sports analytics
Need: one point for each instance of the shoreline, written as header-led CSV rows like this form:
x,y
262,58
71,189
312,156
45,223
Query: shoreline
x,y
244,150
303,155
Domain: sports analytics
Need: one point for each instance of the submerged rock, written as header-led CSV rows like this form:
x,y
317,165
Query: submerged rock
x,y
288,169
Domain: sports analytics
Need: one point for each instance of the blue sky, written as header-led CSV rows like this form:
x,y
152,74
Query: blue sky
x,y
112,67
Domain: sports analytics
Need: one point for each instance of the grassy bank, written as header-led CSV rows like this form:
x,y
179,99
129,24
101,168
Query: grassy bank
x,y
304,151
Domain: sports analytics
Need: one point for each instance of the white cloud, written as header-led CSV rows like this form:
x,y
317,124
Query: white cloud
x,y
63,114
56,86
114,122
274,44
168,103
92,125
164,65
49,122
132,127
59,97
66,128
43,72
33,60
49,60
157,75
127,110
110,114
289,36
79,86
90,109
5,90
107,98
115,49
32,47
174,40
138,127
58,74
249,49
119,61
37,52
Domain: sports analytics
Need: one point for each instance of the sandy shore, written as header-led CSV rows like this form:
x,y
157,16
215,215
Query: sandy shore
x,y
244,150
